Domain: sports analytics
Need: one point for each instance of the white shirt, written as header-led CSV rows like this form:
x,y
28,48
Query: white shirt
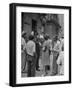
x,y
57,46
30,47
41,36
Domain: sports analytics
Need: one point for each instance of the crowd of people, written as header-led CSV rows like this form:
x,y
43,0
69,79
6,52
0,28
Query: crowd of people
x,y
42,48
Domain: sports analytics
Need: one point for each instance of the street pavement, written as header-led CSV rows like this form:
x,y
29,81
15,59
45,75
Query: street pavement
x,y
37,74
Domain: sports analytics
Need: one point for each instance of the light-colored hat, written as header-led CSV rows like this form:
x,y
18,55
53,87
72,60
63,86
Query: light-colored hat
x,y
32,33
23,32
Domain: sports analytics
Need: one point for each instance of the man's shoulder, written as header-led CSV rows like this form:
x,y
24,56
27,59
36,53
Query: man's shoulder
x,y
30,42
22,40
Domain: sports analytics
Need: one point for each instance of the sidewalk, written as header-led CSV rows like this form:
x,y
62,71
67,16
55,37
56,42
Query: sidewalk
x,y
38,74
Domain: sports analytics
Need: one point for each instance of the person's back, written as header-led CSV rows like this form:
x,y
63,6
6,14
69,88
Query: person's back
x,y
30,50
30,47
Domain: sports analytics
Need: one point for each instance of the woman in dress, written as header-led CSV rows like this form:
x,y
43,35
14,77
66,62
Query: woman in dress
x,y
46,55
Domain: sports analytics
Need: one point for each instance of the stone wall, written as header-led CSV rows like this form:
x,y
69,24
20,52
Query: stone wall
x,y
61,22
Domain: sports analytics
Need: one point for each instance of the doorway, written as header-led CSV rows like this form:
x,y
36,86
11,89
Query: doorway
x,y
34,26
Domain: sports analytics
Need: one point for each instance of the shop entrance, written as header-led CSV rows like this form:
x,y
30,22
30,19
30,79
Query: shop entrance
x,y
34,26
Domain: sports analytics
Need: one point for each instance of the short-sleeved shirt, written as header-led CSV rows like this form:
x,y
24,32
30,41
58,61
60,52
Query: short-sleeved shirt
x,y
57,46
30,47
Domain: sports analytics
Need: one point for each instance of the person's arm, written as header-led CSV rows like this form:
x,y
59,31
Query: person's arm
x,y
34,50
58,60
24,46
44,47
50,46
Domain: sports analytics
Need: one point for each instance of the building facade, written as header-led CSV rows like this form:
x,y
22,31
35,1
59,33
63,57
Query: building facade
x,y
50,24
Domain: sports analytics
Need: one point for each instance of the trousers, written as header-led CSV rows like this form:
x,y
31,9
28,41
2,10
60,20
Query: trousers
x,y
30,66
